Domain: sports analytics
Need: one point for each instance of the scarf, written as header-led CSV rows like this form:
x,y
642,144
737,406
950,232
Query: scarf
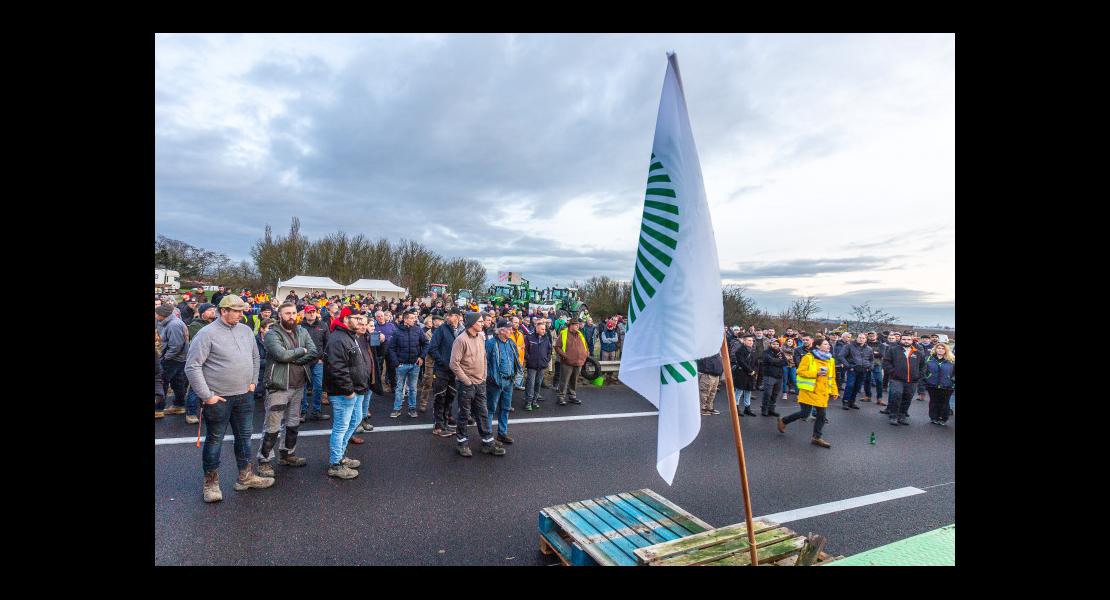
x,y
822,355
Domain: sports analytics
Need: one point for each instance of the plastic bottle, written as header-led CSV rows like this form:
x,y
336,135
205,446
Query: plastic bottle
x,y
872,441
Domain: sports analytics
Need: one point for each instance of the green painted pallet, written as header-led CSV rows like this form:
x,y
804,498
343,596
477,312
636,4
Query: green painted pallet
x,y
729,547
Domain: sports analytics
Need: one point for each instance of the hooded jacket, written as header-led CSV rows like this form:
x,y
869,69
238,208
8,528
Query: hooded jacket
x,y
901,367
175,339
345,368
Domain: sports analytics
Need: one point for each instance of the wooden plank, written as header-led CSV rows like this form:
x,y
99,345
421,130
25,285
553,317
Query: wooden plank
x,y
788,561
645,531
587,539
659,517
676,514
551,543
619,549
626,530
766,555
728,548
701,540
659,529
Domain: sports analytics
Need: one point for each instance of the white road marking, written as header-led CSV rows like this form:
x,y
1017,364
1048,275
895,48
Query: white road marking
x,y
831,507
388,428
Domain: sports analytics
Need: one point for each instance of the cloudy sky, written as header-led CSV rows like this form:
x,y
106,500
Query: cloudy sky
x,y
829,160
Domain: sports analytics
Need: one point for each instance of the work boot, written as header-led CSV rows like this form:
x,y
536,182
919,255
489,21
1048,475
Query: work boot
x,y
212,491
265,469
464,450
493,449
782,425
366,426
351,463
505,439
158,414
763,412
318,416
291,460
191,419
748,411
342,471
175,410
772,413
247,479
820,442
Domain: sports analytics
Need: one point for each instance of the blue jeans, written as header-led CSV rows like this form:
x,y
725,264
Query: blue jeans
x,y
344,419
852,385
238,411
951,404
743,397
316,387
173,376
877,380
518,381
790,380
260,387
406,374
499,397
191,402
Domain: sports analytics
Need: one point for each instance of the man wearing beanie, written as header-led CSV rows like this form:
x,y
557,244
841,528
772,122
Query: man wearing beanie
x,y
206,313
175,347
468,363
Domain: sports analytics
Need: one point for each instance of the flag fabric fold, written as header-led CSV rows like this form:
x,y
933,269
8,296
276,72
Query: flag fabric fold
x,y
676,314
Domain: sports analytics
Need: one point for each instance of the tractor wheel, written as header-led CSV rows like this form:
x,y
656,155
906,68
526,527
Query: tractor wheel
x,y
591,369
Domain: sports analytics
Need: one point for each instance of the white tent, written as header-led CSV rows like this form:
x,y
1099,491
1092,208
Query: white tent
x,y
303,283
379,288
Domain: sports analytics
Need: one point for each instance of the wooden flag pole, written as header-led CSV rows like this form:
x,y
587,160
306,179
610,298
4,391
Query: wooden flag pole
x,y
739,448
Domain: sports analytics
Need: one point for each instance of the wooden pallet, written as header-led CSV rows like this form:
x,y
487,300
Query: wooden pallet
x,y
728,547
609,530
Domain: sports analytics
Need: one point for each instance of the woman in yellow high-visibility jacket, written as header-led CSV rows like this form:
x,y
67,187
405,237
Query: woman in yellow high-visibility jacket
x,y
816,384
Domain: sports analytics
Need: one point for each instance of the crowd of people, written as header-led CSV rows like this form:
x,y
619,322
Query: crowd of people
x,y
821,368
220,357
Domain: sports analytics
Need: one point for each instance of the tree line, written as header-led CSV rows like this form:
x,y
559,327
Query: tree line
x,y
340,256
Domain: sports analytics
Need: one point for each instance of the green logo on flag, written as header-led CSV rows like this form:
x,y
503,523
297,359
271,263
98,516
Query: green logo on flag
x,y
658,240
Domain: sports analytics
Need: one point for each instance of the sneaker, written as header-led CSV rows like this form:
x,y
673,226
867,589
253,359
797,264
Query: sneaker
x,y
450,422
437,431
464,450
359,429
191,419
528,406
575,401
291,460
845,407
714,411
880,403
865,399
511,409
942,423
175,410
561,402
342,471
471,423
350,463
412,414
705,413
884,412
934,421
446,432
763,412
785,397
504,439
904,421
820,442
265,469
158,414
493,449
452,428
366,426
394,414
894,422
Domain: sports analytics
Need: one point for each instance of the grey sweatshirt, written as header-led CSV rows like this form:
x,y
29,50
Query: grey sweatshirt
x,y
222,360
173,332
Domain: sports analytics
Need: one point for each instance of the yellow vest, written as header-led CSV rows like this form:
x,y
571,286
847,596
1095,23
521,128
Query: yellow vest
x,y
563,338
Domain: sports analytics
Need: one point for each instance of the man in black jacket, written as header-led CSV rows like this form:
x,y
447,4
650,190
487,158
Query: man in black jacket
x,y
710,370
906,365
443,384
857,360
743,372
347,381
773,361
406,350
874,381
537,354
319,334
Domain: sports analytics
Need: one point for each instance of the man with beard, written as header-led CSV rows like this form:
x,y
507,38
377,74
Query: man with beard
x,y
289,351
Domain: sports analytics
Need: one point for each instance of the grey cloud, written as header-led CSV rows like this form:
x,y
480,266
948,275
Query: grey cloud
x,y
862,281
806,267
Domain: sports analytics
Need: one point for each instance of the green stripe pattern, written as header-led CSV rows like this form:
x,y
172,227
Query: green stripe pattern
x,y
658,240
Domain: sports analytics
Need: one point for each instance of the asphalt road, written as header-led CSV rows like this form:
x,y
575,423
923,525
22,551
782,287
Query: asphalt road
x,y
419,503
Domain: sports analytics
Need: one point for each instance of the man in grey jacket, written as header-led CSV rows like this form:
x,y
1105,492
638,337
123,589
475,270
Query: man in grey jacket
x,y
175,346
222,366
289,349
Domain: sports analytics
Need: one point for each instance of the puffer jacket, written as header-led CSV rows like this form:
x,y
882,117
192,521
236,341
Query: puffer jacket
x,y
940,373
345,368
407,345
537,351
440,348
711,365
280,356
858,357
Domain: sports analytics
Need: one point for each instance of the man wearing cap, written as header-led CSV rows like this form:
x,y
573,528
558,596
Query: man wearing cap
x,y
347,380
443,382
221,365
206,313
468,362
188,308
289,349
503,366
316,329
572,355
175,347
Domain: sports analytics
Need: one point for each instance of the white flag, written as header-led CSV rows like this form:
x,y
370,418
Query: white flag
x,y
676,314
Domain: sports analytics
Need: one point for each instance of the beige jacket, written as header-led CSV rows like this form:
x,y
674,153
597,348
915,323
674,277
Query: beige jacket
x,y
468,358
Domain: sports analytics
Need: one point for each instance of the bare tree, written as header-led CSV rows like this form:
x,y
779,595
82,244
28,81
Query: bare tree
x,y
866,318
606,297
803,312
740,309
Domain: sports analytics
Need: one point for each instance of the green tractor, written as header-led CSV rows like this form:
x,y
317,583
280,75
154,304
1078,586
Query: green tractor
x,y
463,297
523,294
499,294
566,299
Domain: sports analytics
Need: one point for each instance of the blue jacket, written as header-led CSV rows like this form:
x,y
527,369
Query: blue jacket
x,y
407,344
589,331
261,347
537,350
440,349
501,371
388,329
940,373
